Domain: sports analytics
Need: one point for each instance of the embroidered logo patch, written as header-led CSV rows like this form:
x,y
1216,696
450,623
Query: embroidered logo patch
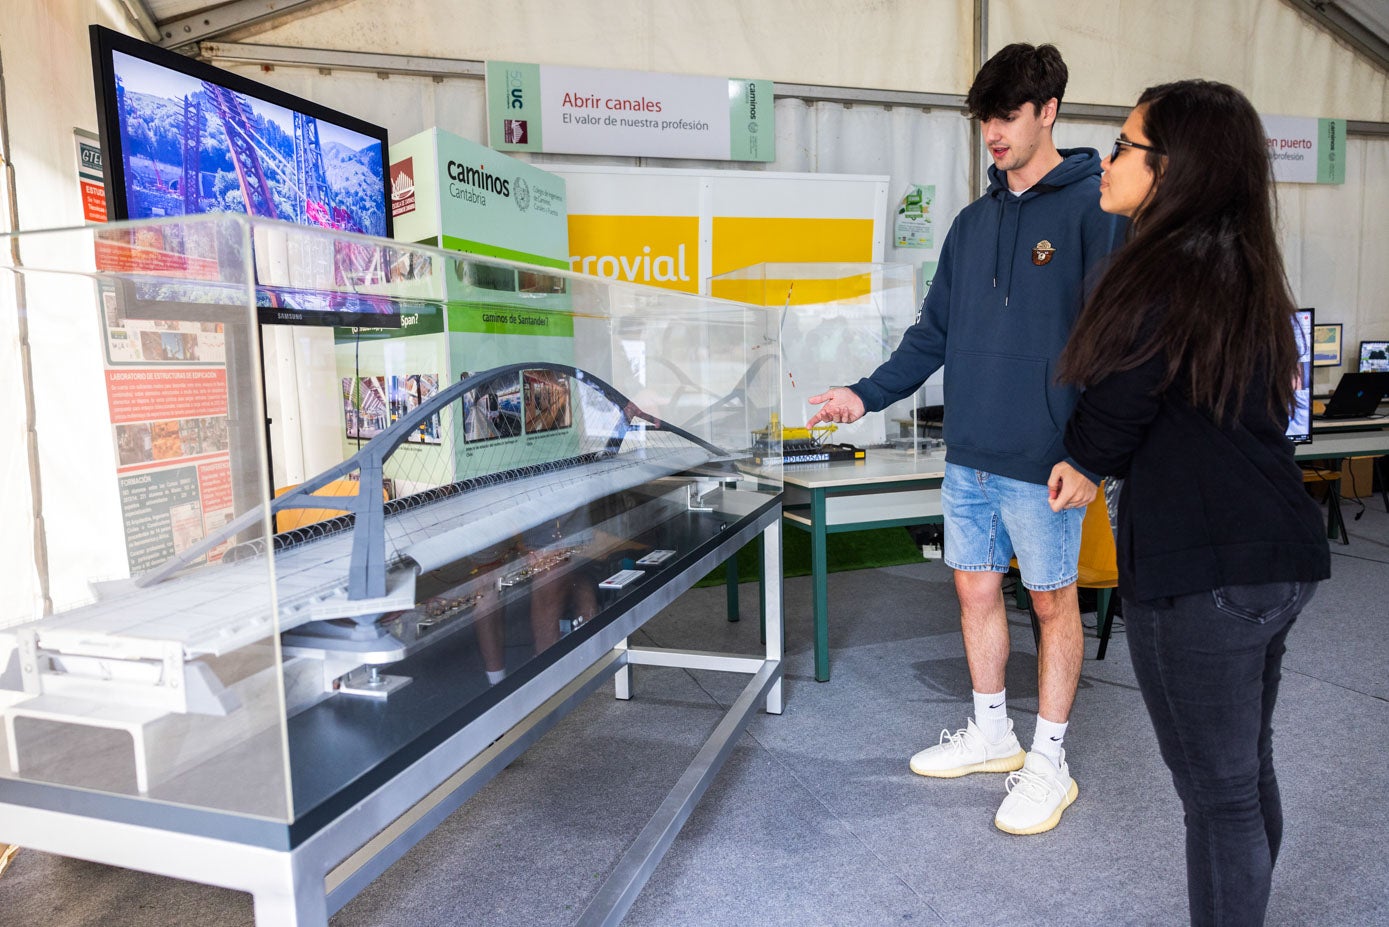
x,y
1042,252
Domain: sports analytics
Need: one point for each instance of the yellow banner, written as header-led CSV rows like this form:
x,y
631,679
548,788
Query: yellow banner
x,y
654,250
744,241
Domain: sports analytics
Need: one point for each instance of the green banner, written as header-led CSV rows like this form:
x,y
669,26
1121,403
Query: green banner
x,y
454,243
504,319
751,128
513,106
1331,151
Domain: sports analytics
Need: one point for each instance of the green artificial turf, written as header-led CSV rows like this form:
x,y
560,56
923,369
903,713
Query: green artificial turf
x,y
853,550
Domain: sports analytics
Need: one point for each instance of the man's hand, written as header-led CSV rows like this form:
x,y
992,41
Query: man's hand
x,y
839,404
1070,489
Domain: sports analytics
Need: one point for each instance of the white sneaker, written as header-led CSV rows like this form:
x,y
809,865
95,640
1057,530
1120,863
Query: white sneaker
x,y
966,751
1037,794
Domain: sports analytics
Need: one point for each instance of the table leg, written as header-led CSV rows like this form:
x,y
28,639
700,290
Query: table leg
x,y
773,637
819,594
762,585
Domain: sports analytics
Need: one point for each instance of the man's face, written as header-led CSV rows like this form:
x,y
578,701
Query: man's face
x,y
1012,140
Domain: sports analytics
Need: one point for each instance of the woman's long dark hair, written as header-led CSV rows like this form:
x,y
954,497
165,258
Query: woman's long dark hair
x,y
1201,278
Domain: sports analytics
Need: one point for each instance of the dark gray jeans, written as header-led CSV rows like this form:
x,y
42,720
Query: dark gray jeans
x,y
1208,666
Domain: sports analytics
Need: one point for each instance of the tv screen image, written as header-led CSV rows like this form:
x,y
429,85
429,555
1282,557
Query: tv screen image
x,y
1374,357
181,137
1300,415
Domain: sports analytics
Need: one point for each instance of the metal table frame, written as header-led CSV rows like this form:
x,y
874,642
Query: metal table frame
x,y
883,491
307,883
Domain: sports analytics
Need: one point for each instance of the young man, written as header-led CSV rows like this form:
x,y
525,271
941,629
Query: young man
x,y
1011,280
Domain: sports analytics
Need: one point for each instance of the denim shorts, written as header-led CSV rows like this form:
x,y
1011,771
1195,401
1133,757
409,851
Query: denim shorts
x,y
990,519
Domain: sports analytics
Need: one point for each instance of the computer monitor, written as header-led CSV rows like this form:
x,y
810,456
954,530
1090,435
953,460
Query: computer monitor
x,y
1300,415
181,137
1374,357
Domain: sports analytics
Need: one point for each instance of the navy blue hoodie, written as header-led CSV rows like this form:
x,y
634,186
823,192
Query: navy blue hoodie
x,y
1012,276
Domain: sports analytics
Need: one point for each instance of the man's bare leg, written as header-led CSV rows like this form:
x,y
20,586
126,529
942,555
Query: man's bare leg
x,y
987,743
984,621
1061,652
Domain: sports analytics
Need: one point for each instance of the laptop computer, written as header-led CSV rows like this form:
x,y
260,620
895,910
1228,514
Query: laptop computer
x,y
1357,395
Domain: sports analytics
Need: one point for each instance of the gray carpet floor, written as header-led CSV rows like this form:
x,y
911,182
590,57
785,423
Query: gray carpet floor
x,y
816,820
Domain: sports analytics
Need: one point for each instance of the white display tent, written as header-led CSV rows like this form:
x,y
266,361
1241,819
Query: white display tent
x,y
903,61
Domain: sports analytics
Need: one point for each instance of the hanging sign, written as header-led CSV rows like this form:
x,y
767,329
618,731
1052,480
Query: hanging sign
x,y
89,176
914,225
1306,149
535,107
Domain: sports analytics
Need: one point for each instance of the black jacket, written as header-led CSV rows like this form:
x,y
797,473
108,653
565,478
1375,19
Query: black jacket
x,y
1202,505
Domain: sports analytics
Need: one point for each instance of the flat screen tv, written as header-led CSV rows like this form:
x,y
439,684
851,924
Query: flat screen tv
x,y
1300,415
181,137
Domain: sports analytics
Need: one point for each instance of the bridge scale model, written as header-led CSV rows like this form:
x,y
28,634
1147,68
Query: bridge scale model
x,y
150,656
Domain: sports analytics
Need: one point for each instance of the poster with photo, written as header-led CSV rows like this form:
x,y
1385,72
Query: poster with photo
x,y
493,410
547,401
146,342
370,405
173,461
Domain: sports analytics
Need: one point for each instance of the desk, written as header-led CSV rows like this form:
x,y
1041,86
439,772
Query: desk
x,y
888,489
1323,426
1339,444
891,489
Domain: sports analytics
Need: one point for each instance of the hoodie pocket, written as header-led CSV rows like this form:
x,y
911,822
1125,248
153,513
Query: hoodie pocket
x,y
1000,403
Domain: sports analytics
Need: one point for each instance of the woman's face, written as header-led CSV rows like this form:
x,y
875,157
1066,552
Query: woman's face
x,y
1127,179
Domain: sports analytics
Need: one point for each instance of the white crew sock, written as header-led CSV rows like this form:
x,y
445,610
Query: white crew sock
x,y
1048,739
495,676
991,714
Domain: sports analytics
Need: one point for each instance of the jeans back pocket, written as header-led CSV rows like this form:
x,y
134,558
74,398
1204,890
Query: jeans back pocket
x,y
1258,602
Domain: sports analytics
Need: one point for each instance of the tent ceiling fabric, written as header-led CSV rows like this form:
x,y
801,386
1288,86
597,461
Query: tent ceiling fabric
x,y
1364,24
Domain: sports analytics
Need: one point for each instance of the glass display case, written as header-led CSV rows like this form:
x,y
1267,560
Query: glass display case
x,y
836,322
284,563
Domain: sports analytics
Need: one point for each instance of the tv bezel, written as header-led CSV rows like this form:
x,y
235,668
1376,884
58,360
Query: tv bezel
x,y
106,42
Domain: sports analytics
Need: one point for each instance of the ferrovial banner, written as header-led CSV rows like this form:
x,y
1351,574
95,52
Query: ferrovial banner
x,y
1306,149
534,107
677,228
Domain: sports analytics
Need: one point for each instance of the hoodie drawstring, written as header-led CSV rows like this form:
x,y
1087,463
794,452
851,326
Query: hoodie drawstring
x,y
998,235
998,241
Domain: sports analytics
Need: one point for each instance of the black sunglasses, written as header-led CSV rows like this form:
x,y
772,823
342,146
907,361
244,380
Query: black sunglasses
x,y
1121,143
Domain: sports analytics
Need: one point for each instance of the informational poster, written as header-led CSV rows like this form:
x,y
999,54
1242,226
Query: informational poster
x,y
89,179
453,193
914,224
173,457
536,107
167,399
1306,149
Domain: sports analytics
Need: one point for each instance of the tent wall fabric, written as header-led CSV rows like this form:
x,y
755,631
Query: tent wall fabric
x,y
1333,236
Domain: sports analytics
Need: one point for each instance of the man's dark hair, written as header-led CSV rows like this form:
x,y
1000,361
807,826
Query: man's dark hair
x,y
1016,75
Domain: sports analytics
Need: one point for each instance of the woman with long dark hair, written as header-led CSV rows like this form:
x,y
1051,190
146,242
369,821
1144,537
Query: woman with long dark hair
x,y
1186,352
